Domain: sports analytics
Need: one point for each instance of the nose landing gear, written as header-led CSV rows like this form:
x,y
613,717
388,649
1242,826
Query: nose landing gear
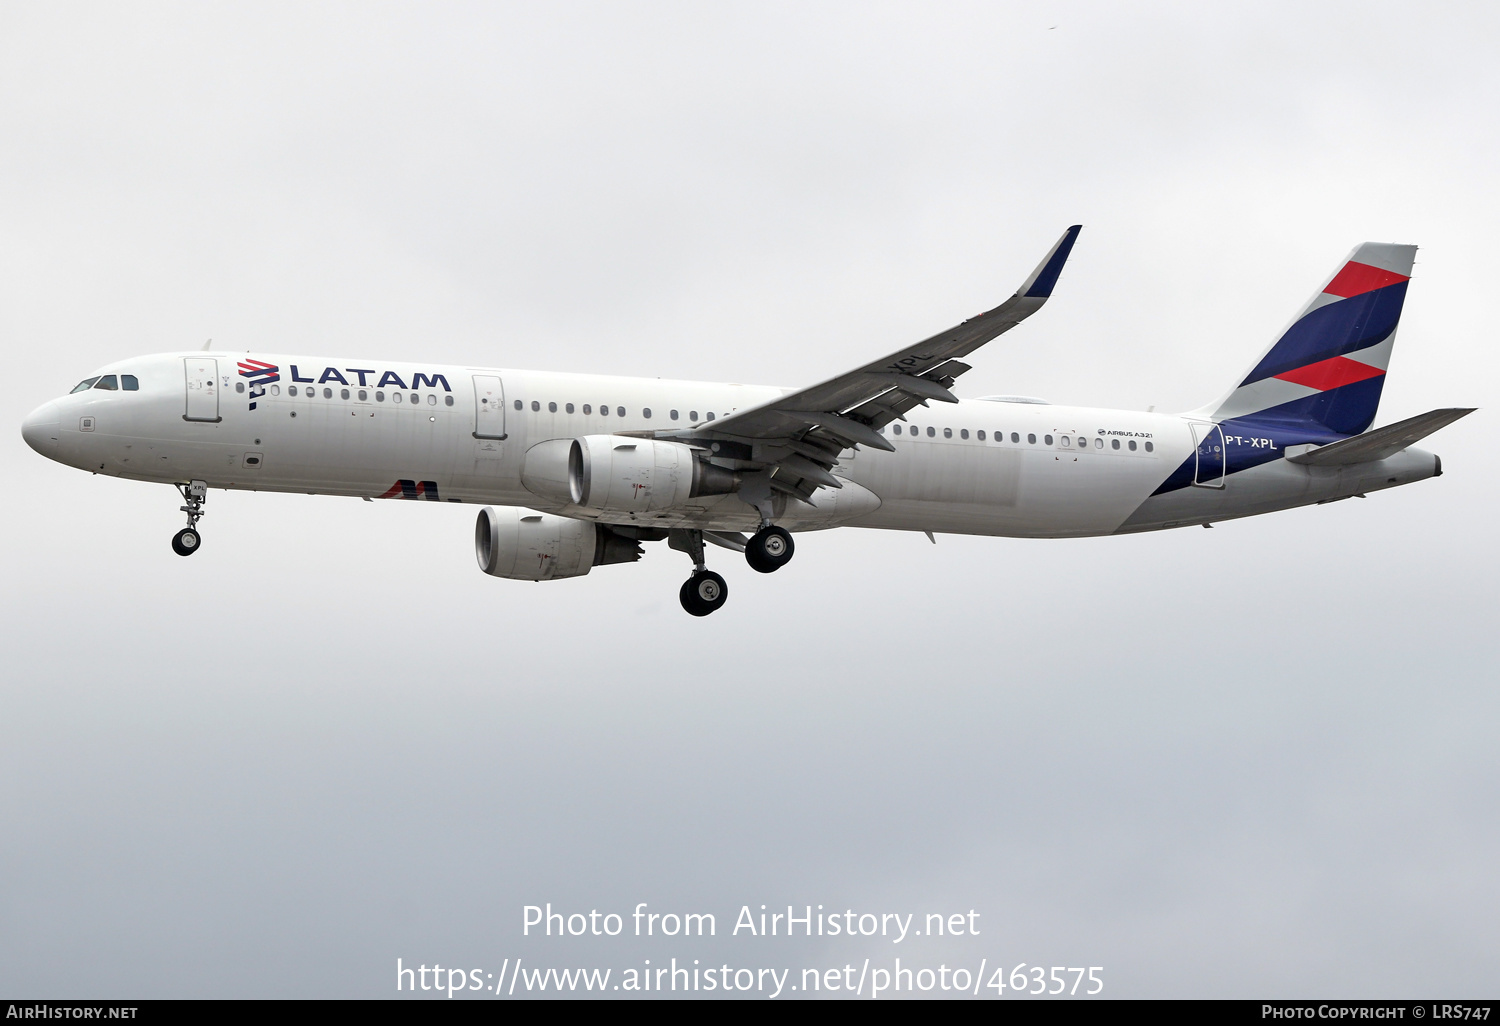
x,y
705,591
186,541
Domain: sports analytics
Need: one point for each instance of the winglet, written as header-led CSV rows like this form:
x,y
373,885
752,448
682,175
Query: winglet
x,y
1042,280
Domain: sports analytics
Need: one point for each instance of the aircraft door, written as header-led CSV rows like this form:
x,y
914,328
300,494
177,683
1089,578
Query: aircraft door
x,y
489,406
1210,456
202,389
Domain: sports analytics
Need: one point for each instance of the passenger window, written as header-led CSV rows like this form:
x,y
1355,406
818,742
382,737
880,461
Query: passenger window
x,y
604,411
536,407
947,432
980,435
646,413
84,385
1131,443
396,398
379,396
587,409
415,398
129,383
1114,443
327,393
1148,447
964,433
518,403
673,414
447,400
1031,439
931,432
1098,443
432,399
896,429
551,407
343,393
239,386
363,395
1066,441
569,407
710,415
692,414
292,391
1083,443
1015,436
126,378
1047,439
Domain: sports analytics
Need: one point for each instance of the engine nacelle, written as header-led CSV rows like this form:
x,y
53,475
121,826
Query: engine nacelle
x,y
618,474
524,546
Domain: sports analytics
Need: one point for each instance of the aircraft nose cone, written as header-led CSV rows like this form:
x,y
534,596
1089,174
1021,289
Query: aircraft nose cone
x,y
40,429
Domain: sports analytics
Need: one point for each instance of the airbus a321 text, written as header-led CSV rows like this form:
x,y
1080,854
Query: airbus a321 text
x,y
574,471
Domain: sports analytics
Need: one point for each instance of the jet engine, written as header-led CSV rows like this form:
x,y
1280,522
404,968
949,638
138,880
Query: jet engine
x,y
619,474
524,546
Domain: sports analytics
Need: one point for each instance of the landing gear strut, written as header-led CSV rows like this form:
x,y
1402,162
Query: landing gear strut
x,y
705,590
769,549
186,541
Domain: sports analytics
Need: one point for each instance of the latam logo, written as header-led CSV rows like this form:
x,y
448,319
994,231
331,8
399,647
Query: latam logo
x,y
260,375
412,490
388,379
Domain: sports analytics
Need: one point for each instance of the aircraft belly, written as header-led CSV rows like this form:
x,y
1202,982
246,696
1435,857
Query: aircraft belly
x,y
1276,486
355,449
974,489
314,446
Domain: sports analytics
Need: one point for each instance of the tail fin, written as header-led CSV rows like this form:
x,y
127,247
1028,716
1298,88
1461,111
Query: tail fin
x,y
1323,376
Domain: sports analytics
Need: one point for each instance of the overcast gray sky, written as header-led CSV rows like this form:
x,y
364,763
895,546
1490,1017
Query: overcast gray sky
x,y
1258,760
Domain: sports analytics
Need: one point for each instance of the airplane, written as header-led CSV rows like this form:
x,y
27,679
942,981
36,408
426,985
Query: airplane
x,y
574,471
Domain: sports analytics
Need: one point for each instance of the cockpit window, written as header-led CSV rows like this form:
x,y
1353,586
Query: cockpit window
x,y
109,383
130,383
84,385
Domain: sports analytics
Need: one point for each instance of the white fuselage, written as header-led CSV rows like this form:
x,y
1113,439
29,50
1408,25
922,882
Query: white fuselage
x,y
375,429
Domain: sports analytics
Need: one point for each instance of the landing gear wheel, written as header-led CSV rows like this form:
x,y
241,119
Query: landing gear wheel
x,y
186,541
703,592
769,549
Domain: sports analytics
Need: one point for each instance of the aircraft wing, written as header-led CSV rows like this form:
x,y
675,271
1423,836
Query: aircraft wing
x,y
798,436
1380,443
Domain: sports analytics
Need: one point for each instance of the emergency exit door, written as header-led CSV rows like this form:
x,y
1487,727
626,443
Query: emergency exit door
x,y
202,389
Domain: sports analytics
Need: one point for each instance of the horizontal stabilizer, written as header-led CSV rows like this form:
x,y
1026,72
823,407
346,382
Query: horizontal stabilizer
x,y
1380,443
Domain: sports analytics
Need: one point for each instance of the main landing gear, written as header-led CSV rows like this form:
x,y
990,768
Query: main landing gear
x,y
705,590
186,541
769,549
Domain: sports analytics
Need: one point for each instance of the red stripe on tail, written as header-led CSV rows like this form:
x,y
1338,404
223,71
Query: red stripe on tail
x,y
1326,374
1356,279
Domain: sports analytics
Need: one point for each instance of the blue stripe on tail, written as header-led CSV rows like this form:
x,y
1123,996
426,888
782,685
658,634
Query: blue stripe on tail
x,y
1343,327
